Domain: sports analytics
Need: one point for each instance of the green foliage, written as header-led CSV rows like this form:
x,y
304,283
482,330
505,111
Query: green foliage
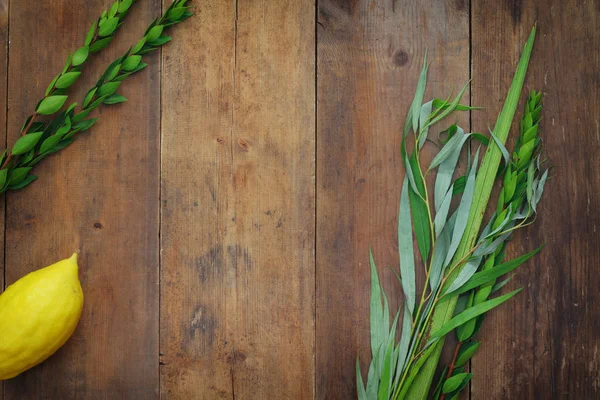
x,y
458,259
40,139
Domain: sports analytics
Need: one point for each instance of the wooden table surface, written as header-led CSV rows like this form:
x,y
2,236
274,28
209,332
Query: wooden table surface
x,y
225,212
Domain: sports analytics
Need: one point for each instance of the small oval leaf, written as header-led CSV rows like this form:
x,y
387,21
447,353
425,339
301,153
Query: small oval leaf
x,y
81,55
26,143
67,79
51,104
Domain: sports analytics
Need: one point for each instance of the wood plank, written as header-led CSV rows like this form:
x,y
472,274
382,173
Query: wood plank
x,y
99,195
544,343
369,57
237,233
3,111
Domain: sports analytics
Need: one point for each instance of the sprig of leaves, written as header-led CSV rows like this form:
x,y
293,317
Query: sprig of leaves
x,y
46,139
100,34
450,245
515,208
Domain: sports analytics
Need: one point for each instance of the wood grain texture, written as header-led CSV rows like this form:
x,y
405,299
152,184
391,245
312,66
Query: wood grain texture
x,y
237,233
3,112
99,195
544,344
369,57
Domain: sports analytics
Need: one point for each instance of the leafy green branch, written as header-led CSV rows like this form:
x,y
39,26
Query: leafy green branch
x,y
40,140
449,242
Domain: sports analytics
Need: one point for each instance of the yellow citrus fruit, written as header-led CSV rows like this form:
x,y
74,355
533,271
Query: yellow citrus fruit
x,y
38,313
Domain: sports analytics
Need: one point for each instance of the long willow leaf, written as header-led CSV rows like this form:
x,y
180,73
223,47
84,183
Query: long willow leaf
x,y
483,187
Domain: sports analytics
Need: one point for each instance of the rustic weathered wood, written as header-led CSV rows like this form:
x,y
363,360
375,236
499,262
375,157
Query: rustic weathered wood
x,y
99,195
369,58
237,233
544,343
3,111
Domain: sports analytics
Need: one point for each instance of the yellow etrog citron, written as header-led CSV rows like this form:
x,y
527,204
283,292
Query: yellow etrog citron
x,y
38,313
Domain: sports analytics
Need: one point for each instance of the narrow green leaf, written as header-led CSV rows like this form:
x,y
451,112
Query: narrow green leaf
x,y
405,248
67,79
467,351
445,172
26,143
420,213
360,385
51,104
378,334
451,107
471,313
462,213
483,277
89,96
501,147
81,55
423,116
418,99
442,214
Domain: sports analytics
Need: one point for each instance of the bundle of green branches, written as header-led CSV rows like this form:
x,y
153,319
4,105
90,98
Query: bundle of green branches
x,y
462,262
40,139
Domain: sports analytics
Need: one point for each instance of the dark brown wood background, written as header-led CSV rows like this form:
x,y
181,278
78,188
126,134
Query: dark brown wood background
x,y
225,211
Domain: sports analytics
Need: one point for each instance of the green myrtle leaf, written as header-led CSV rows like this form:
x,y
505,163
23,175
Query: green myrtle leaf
x,y
124,5
26,181
67,63
80,116
131,62
97,102
108,27
175,13
67,79
51,85
114,99
138,46
50,142
160,41
112,72
51,104
467,350
113,9
89,96
108,88
81,55
91,33
154,33
85,125
26,143
17,175
3,176
62,144
100,44
455,382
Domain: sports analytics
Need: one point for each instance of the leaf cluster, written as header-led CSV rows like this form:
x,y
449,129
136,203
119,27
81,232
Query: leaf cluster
x,y
40,139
